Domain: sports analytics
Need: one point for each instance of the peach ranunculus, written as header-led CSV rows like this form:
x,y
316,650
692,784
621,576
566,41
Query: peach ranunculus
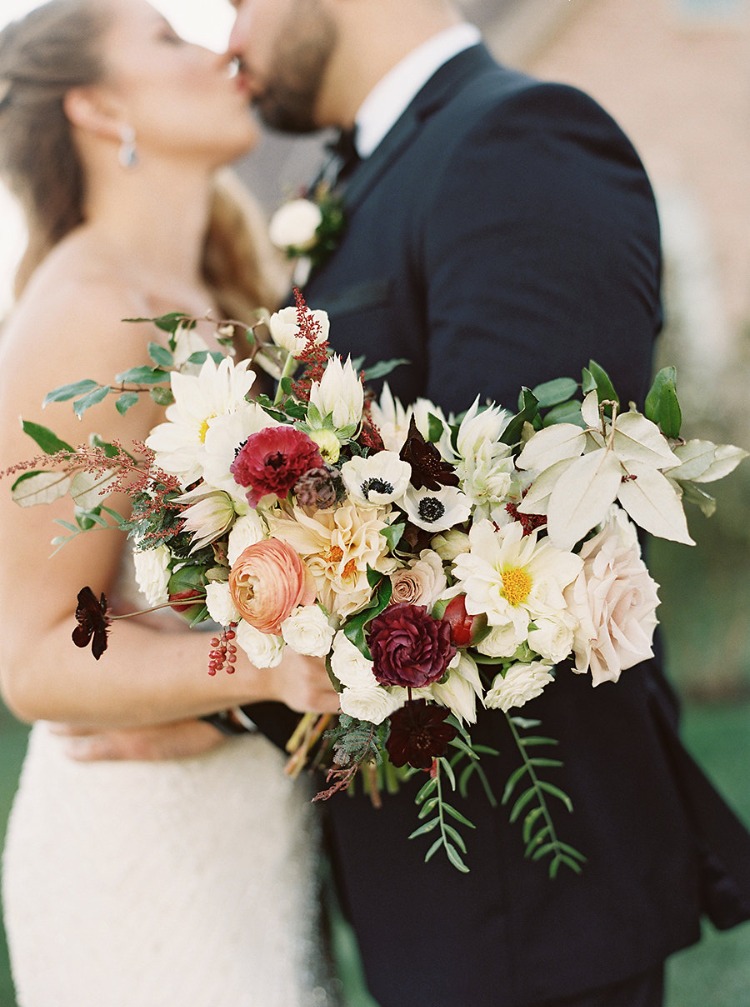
x,y
267,582
338,546
615,601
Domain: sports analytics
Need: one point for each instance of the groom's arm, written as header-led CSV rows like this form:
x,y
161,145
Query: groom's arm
x,y
541,251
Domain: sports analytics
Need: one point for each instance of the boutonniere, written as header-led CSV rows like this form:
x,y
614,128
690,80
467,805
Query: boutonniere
x,y
309,229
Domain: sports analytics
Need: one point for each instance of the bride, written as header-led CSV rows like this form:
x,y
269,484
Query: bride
x,y
189,882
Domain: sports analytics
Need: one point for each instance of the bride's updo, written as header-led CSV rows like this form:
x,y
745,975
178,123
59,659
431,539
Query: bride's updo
x,y
57,47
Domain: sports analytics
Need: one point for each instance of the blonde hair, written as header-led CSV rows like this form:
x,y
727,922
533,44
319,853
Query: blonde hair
x,y
45,54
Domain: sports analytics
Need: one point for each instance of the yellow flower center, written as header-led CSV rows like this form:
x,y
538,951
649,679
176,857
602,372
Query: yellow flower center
x,y
516,585
203,429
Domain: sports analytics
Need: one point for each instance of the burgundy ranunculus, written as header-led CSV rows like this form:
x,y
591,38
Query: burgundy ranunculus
x,y
419,734
409,647
272,461
461,623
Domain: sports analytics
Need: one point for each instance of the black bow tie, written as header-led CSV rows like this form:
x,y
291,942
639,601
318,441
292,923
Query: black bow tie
x,y
344,155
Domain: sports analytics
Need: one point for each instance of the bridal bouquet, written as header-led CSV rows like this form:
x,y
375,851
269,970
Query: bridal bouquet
x,y
438,563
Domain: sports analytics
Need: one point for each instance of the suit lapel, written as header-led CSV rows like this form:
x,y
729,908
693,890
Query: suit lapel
x,y
435,94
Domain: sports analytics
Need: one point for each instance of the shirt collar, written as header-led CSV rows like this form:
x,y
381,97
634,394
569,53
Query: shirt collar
x,y
392,95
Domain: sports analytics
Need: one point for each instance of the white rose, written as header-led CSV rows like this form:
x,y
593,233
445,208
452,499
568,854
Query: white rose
x,y
615,600
521,683
350,666
501,641
284,329
219,603
152,573
263,649
373,704
294,225
553,638
307,631
246,531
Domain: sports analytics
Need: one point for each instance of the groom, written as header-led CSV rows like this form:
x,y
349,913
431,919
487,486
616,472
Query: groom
x,y
500,232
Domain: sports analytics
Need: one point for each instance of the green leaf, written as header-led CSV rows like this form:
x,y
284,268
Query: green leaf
x,y
449,810
513,779
455,858
427,807
595,377
143,376
160,355
92,399
384,368
534,739
662,406
529,821
696,495
525,799
435,428
426,790
550,788
527,409
162,395
433,849
48,441
34,488
554,392
542,851
126,401
167,323
537,839
66,392
568,412
446,766
424,829
456,836
355,627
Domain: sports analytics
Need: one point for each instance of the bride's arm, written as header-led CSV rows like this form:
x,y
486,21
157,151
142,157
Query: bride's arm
x,y
148,675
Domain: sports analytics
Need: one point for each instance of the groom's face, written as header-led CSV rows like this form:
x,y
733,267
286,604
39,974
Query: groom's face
x,y
285,46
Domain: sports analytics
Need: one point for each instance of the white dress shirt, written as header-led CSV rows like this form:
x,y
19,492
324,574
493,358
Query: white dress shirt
x,y
392,95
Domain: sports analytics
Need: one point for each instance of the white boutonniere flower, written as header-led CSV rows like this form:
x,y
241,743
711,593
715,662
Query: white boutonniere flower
x,y
308,229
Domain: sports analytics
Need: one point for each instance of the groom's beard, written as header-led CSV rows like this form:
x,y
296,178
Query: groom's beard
x,y
301,56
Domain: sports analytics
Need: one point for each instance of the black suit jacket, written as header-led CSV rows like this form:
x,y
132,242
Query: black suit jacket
x,y
504,233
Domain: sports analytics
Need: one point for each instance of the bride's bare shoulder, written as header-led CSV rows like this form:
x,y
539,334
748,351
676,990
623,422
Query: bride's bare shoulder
x,y
75,304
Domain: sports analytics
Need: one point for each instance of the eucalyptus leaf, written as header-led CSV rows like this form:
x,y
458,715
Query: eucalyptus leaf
x,y
162,395
92,399
66,392
160,355
126,401
143,376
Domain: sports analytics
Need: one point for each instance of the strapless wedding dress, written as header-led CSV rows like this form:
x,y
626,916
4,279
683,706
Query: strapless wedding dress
x,y
190,883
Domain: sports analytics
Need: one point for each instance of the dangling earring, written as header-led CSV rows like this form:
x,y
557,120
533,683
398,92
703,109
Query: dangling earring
x,y
128,153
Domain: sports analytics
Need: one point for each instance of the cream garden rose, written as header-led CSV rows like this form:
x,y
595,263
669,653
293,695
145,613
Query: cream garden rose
x,y
295,225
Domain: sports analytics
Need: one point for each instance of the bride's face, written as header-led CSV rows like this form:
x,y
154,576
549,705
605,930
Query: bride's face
x,y
180,98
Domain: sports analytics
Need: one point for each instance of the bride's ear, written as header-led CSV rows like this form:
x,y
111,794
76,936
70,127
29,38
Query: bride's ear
x,y
89,110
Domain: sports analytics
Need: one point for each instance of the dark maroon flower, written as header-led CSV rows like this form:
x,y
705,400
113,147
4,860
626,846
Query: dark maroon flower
x,y
93,622
419,734
427,467
272,461
409,647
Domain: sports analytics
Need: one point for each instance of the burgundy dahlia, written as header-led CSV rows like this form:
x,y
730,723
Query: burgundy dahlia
x,y
272,461
419,734
409,648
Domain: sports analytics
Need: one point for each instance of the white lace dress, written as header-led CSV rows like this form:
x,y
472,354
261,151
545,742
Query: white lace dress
x,y
189,883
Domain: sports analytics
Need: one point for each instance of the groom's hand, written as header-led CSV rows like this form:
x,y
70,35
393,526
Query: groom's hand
x,y
180,740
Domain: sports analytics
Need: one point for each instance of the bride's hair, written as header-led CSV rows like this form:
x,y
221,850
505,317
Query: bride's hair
x,y
43,55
